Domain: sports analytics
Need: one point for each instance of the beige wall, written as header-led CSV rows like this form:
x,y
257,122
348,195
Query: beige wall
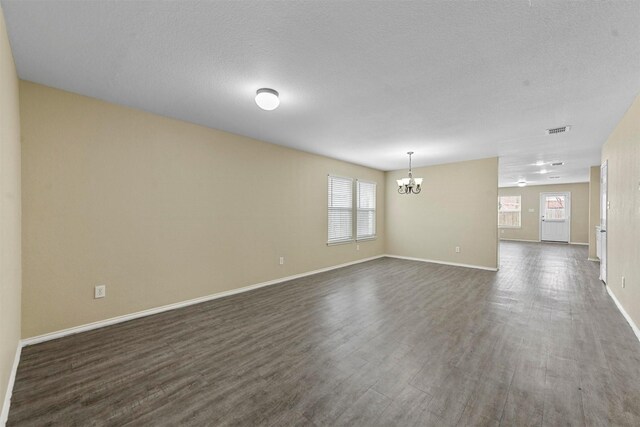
x,y
594,209
530,199
457,207
622,152
10,270
161,211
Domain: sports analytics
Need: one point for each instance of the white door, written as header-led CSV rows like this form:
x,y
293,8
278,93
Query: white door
x,y
555,217
604,207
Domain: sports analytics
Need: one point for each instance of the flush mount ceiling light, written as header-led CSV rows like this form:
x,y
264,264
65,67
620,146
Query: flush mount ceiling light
x,y
267,99
539,163
522,183
409,185
544,171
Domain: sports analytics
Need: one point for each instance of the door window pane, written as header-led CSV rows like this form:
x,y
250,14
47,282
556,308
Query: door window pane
x,y
555,208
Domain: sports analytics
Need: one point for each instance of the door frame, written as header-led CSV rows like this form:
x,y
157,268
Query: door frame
x,y
604,217
567,195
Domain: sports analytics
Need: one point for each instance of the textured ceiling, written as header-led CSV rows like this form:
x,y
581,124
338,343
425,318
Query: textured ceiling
x,y
359,81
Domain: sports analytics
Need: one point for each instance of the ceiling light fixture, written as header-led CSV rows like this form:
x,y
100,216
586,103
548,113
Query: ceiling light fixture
x,y
267,99
544,171
411,184
522,183
539,163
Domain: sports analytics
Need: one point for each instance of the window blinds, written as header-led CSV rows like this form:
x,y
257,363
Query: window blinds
x,y
509,211
366,210
340,209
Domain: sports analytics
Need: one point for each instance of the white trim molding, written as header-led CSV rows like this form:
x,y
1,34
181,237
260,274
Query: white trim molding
x,y
578,243
124,318
4,414
593,259
628,318
434,261
520,240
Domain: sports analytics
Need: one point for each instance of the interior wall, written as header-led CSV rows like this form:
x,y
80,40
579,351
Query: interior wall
x,y
457,207
530,199
161,211
10,240
594,209
622,152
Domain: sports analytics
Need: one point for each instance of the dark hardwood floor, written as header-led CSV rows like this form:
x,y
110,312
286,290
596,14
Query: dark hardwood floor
x,y
387,342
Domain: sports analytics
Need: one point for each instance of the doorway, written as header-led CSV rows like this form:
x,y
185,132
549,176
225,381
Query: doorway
x,y
555,217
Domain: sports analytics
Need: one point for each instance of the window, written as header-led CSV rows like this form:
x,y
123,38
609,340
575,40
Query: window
x,y
509,208
555,208
340,209
366,210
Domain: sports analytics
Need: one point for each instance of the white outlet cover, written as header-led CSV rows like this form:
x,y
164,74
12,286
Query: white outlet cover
x,y
100,291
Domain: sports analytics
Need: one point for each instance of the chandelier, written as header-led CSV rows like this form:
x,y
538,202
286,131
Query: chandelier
x,y
411,184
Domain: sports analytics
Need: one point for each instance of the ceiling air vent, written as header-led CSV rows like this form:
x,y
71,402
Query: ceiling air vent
x,y
562,129
554,177
557,164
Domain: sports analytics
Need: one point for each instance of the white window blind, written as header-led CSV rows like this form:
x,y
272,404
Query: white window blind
x,y
366,210
509,208
340,209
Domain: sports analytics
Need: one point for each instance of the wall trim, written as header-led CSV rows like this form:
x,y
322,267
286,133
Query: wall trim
x,y
593,259
628,318
433,261
539,241
126,317
4,414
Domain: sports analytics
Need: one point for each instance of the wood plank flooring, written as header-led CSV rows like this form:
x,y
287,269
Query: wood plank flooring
x,y
387,342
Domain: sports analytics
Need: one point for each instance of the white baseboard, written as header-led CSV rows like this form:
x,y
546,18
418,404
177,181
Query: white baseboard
x,y
4,414
539,241
593,259
634,327
124,318
434,261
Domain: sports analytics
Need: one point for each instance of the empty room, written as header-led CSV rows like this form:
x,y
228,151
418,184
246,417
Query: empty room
x,y
319,213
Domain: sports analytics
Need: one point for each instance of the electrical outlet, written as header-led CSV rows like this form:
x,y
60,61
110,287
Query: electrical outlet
x,y
100,291
281,260
357,247
623,282
457,249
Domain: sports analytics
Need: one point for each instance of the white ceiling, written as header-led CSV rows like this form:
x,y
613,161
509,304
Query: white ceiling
x,y
359,81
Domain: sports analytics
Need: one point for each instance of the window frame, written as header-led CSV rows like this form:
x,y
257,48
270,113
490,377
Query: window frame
x,y
345,240
519,212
